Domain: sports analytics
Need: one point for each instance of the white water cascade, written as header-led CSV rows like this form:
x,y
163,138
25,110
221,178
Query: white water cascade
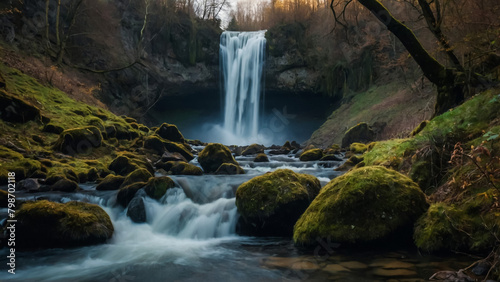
x,y
241,67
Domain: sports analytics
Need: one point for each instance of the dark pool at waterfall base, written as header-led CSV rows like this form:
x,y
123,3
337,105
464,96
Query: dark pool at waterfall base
x,y
190,236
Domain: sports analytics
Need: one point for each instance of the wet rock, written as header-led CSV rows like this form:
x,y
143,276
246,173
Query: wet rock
x,y
253,150
44,224
360,133
213,156
270,204
354,265
177,157
138,175
122,165
127,193
158,186
261,158
28,184
64,185
230,169
334,268
311,155
110,182
136,209
481,268
170,132
183,168
330,158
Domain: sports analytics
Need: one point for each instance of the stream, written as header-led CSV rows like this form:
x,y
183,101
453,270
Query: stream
x,y
190,236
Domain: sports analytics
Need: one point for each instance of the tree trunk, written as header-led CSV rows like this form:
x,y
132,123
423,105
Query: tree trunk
x,y
449,82
58,38
47,27
64,42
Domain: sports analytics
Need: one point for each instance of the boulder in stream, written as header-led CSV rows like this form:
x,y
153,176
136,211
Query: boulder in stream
x,y
44,224
270,204
362,205
213,156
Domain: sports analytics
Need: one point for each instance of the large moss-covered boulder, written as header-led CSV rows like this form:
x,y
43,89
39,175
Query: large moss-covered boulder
x,y
111,182
170,132
311,155
213,156
45,224
270,204
158,186
64,185
360,133
230,169
78,140
363,205
179,148
154,143
261,158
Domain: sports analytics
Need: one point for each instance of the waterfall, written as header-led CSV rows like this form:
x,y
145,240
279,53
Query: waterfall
x,y
241,68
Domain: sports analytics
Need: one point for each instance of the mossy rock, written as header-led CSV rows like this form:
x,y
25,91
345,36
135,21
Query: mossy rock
x,y
360,206
64,185
4,196
143,128
183,168
270,204
154,143
158,186
138,175
24,168
170,132
45,224
360,133
229,169
311,155
179,148
79,140
129,119
97,122
13,109
10,154
127,193
471,226
122,131
287,146
253,149
261,158
111,182
358,148
213,156
122,165
92,174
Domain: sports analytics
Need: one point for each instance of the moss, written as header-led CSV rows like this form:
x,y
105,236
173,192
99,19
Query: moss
x,y
419,128
64,185
311,155
127,193
154,143
14,109
390,153
138,175
53,128
227,168
8,154
261,158
79,140
358,148
23,168
170,132
174,147
111,182
46,224
158,186
122,165
213,156
287,146
358,133
362,205
469,226
271,203
183,168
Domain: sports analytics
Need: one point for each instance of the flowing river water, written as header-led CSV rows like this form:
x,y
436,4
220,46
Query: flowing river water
x,y
190,236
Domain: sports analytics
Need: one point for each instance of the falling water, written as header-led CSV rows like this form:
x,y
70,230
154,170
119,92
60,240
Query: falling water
x,y
241,66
